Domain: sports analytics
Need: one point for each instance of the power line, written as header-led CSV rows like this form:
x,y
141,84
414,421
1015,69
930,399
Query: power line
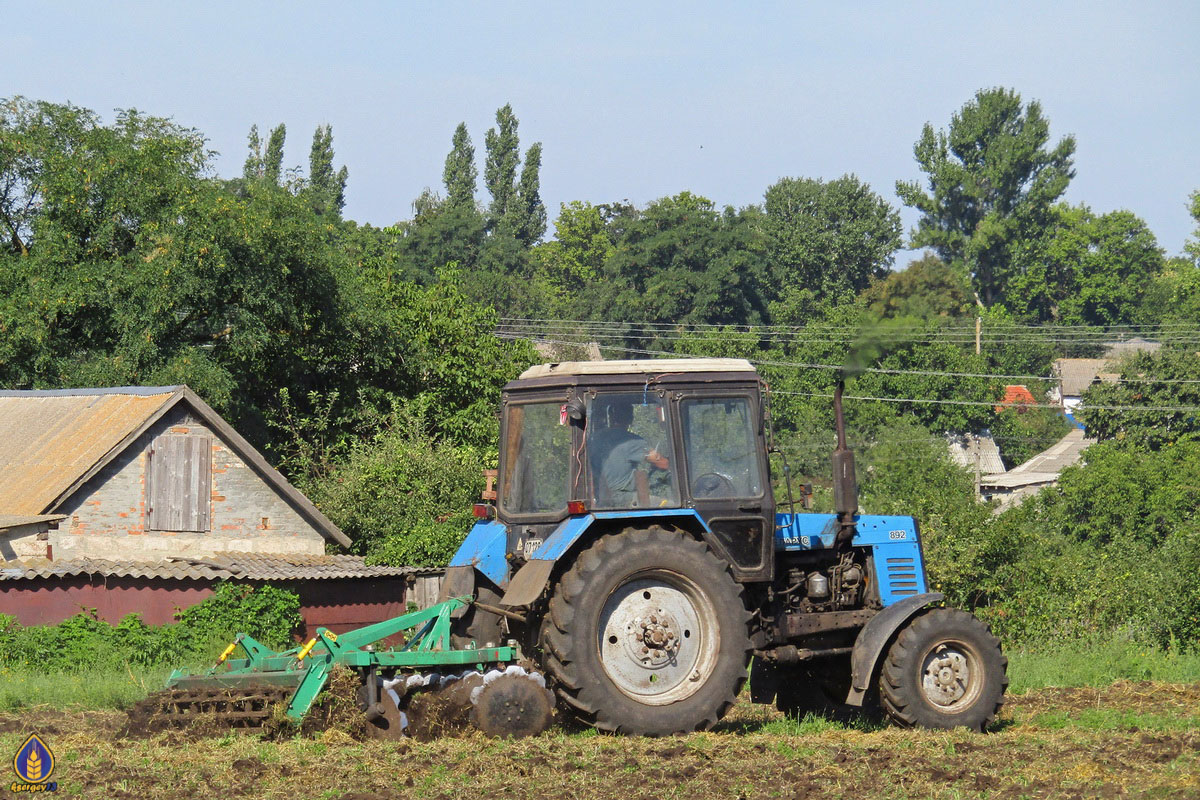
x,y
833,339
841,333
873,370
1173,409
969,327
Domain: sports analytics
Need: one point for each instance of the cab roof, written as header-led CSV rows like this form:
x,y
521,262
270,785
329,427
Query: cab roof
x,y
643,366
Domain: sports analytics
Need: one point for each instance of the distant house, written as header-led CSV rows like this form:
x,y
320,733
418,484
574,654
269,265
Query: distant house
x,y
1074,376
977,452
1118,349
140,499
140,473
1017,395
1022,481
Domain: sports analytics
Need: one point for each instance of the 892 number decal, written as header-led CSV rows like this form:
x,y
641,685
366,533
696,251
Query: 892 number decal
x,y
896,536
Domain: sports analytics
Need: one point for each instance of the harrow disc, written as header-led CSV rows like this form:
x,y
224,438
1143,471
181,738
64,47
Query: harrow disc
x,y
510,702
515,704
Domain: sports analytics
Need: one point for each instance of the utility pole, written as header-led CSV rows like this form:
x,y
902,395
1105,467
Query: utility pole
x,y
978,324
978,474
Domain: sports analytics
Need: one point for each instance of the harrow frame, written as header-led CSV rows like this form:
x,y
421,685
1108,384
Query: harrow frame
x,y
307,667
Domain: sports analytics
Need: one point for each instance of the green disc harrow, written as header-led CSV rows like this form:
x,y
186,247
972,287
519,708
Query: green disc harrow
x,y
489,685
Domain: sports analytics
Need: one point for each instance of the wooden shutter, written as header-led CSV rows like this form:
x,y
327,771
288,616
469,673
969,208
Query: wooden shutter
x,y
179,479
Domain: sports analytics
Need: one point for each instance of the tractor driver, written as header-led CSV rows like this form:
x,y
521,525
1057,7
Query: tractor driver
x,y
617,454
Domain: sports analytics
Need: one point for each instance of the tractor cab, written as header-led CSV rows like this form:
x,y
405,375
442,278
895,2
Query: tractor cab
x,y
677,439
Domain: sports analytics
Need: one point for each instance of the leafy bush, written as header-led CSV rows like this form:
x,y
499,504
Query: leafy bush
x,y
1164,379
1112,547
267,613
908,471
403,497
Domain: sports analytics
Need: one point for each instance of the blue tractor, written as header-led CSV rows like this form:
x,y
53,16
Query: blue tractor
x,y
634,549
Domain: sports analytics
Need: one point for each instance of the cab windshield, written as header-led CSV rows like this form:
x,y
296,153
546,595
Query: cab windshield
x,y
537,464
720,438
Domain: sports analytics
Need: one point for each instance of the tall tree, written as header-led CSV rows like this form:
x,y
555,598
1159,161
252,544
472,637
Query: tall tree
x,y
31,133
530,217
1193,247
273,157
1100,268
253,168
831,238
682,261
326,187
926,289
500,168
460,173
992,183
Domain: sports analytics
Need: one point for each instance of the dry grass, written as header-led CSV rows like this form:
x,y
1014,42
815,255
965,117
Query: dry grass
x,y
1125,740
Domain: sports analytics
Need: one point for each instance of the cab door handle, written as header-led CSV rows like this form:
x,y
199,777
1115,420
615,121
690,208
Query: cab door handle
x,y
751,509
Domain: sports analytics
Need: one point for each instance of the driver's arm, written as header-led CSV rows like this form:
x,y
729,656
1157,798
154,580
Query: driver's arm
x,y
658,459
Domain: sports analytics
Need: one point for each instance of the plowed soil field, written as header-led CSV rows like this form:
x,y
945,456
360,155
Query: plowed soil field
x,y
1127,740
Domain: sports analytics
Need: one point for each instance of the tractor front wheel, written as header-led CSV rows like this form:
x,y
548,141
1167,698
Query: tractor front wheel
x,y
945,670
647,634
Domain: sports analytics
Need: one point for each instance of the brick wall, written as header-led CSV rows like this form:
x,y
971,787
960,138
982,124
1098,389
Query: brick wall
x,y
107,515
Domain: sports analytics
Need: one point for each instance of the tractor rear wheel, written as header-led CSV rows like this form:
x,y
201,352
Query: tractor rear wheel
x,y
647,634
483,628
945,670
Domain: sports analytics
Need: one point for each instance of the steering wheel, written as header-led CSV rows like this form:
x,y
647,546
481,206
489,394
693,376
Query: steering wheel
x,y
713,484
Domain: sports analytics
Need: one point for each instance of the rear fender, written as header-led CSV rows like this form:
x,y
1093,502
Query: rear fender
x,y
874,637
530,581
484,549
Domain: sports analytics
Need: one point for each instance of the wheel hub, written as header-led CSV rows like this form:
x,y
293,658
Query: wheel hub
x,y
946,676
654,638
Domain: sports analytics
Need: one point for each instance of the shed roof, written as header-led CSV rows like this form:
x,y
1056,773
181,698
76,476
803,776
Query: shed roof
x,y
244,566
18,520
1046,466
54,441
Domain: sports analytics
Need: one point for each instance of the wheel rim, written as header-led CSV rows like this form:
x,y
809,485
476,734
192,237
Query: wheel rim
x,y
951,676
658,637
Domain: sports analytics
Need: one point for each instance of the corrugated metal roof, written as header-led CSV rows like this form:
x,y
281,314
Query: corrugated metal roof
x,y
963,449
1077,374
246,566
49,439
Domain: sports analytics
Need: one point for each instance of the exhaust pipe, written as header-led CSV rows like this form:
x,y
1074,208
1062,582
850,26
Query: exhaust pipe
x,y
845,484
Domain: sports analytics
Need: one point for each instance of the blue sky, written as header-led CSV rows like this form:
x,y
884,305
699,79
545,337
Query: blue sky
x,y
639,100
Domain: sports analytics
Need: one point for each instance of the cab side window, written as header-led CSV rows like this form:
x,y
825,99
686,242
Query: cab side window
x,y
629,452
